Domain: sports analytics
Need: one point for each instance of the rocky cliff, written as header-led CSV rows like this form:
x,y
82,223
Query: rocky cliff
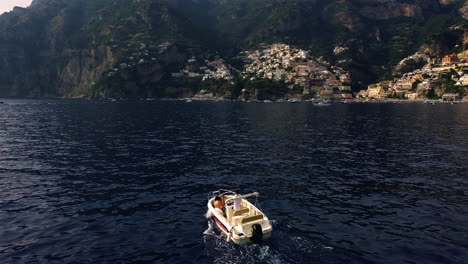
x,y
63,48
88,48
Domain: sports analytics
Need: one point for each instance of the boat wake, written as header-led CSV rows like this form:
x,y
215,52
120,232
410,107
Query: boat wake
x,y
210,231
283,247
208,214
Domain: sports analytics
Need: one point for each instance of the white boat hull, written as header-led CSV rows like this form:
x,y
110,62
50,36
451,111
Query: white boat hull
x,y
239,228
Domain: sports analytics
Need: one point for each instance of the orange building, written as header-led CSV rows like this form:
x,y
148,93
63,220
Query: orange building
x,y
449,59
343,96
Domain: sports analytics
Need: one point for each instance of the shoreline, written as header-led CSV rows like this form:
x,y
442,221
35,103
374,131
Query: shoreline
x,y
348,101
4,101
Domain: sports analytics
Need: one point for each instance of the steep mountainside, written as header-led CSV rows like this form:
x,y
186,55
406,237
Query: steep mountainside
x,y
88,48
61,48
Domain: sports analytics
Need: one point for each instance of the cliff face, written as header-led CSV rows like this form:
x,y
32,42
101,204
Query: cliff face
x,y
33,50
387,9
89,48
83,69
63,48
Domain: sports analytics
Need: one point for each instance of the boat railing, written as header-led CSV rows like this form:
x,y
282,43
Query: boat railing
x,y
220,192
243,196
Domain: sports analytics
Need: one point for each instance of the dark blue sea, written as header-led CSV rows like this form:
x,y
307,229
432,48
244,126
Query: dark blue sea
x,y
85,181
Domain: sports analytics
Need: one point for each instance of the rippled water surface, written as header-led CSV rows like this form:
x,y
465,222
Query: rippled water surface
x,y
126,182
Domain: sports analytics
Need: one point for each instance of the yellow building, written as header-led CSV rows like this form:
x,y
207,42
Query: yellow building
x,y
386,84
376,91
362,93
412,96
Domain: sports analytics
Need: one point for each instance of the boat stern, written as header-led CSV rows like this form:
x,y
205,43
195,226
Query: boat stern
x,y
243,234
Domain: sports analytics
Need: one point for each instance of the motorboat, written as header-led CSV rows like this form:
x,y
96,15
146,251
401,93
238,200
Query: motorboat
x,y
322,103
240,221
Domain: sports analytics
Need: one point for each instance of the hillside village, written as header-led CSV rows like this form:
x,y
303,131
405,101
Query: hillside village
x,y
313,77
207,69
138,53
445,78
306,77
296,68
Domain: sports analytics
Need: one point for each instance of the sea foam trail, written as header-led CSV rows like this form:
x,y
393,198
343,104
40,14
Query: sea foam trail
x,y
208,214
221,251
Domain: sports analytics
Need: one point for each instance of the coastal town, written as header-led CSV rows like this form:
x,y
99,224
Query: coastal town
x,y
207,69
445,78
313,78
296,68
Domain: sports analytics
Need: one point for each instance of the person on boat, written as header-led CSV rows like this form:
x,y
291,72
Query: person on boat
x,y
219,202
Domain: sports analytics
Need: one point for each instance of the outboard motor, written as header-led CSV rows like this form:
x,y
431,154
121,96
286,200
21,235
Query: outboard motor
x,y
257,234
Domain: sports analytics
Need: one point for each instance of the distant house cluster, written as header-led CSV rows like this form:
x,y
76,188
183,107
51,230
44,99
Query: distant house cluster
x,y
138,53
297,68
416,84
278,62
206,69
